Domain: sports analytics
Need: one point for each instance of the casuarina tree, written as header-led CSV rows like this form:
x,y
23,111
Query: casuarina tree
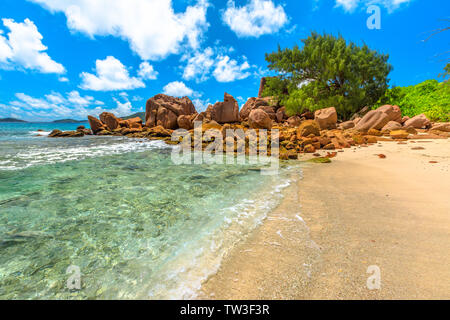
x,y
327,71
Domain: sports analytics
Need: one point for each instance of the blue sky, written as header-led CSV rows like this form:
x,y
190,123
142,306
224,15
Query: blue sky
x,y
70,58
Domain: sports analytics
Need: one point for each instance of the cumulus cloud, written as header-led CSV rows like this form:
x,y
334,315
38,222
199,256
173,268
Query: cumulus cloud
x,y
351,5
23,49
57,106
146,71
202,64
256,18
178,89
151,27
110,75
199,65
228,70
51,106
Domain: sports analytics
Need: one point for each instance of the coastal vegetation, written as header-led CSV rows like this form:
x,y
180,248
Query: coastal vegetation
x,y
327,71
429,97
330,71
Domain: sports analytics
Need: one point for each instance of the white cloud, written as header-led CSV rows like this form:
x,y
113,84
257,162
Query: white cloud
x,y
24,49
224,69
348,5
63,79
200,104
199,65
52,106
351,5
122,109
178,89
256,18
57,106
146,71
75,98
228,70
110,75
151,27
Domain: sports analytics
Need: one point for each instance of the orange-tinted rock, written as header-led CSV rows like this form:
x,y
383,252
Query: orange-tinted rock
x,y
259,119
111,121
374,132
374,119
164,110
294,121
399,134
185,122
307,128
251,104
226,111
443,126
95,124
329,146
326,118
347,125
394,113
404,119
420,121
309,148
281,114
391,125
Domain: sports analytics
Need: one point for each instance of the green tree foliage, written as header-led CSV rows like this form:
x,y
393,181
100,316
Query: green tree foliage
x,y
327,71
446,72
429,97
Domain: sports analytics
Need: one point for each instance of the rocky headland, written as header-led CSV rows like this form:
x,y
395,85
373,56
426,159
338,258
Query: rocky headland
x,y
298,134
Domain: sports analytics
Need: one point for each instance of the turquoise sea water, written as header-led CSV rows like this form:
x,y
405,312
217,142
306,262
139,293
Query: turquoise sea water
x,y
134,223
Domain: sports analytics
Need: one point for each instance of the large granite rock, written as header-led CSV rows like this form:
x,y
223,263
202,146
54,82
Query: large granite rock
x,y
224,112
95,124
259,119
394,113
164,110
326,118
281,114
374,119
265,104
307,128
443,126
347,125
418,122
111,121
392,125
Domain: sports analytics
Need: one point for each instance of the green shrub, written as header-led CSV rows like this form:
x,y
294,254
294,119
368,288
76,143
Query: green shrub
x,y
327,71
429,97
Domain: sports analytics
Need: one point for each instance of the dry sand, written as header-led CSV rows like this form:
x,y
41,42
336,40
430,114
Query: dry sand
x,y
357,211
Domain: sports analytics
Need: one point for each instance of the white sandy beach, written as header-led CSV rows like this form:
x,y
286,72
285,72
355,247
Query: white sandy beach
x,y
358,211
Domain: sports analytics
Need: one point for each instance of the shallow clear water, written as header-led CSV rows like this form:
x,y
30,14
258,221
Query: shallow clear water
x,y
136,224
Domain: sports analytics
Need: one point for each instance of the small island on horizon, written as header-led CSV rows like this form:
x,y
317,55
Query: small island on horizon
x,y
11,120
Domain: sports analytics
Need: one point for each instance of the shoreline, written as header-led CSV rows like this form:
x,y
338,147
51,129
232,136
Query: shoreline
x,y
358,211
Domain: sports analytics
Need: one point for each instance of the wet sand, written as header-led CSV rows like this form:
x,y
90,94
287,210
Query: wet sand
x,y
358,211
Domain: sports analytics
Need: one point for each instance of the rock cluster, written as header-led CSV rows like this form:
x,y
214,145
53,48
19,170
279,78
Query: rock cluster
x,y
80,132
163,110
305,133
